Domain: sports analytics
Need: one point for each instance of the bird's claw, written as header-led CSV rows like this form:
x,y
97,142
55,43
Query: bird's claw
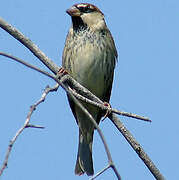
x,y
108,111
62,71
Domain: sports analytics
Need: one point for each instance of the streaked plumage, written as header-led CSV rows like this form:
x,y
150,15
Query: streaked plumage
x,y
89,57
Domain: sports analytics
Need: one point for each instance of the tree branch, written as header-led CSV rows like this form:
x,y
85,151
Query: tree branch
x,y
26,125
30,45
136,146
70,82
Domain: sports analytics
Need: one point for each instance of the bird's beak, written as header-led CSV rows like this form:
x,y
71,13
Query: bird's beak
x,y
73,11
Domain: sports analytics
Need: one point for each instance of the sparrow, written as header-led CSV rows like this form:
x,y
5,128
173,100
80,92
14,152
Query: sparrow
x,y
89,56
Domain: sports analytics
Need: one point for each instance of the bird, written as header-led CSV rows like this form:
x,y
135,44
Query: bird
x,y
89,56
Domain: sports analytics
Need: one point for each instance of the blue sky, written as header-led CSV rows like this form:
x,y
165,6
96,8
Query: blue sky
x,y
146,83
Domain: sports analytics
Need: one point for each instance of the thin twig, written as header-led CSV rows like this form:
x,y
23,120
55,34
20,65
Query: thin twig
x,y
34,126
132,115
100,104
27,64
100,172
26,125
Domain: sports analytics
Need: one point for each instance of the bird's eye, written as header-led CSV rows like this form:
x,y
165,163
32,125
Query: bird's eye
x,y
85,9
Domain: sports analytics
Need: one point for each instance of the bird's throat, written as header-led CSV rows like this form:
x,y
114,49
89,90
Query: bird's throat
x,y
78,24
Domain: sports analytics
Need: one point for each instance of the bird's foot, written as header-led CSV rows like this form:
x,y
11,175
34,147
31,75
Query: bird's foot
x,y
108,111
62,71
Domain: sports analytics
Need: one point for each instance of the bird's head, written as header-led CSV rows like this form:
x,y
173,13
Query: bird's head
x,y
86,15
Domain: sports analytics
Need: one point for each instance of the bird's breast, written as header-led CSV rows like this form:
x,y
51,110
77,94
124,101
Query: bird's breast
x,y
89,61
88,69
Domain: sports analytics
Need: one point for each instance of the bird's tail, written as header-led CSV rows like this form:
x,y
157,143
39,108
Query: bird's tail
x,y
84,162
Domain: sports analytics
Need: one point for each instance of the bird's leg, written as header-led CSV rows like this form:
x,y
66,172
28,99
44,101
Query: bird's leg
x,y
62,71
108,111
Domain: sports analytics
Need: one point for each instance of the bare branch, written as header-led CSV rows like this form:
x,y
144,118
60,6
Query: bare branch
x,y
99,173
27,64
100,104
70,82
132,115
26,125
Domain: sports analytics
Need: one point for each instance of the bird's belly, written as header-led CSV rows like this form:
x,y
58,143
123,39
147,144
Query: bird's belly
x,y
90,74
